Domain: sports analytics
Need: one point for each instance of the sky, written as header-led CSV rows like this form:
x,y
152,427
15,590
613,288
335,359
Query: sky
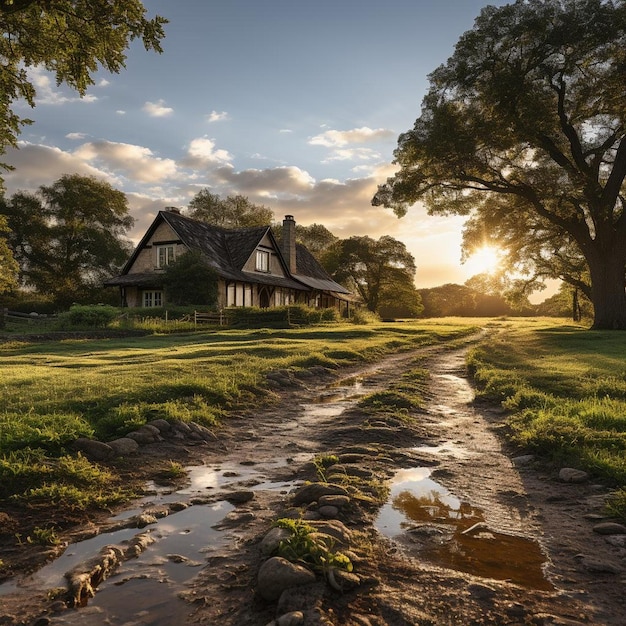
x,y
296,104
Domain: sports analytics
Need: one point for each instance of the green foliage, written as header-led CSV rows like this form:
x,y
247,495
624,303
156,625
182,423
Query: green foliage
x,y
279,317
305,549
362,317
80,316
380,271
44,536
8,264
69,237
190,280
616,504
230,212
521,131
69,38
322,462
564,390
55,392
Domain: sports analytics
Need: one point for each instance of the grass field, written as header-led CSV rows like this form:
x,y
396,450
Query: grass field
x,y
566,389
54,392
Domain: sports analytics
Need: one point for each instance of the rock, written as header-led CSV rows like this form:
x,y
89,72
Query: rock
x,y
619,541
336,501
93,449
202,431
278,574
294,618
350,470
314,491
239,497
334,528
481,592
124,446
524,459
340,580
178,506
600,567
142,436
163,425
609,528
329,512
272,540
571,475
143,520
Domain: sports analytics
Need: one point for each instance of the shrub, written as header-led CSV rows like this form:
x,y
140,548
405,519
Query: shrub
x,y
364,316
83,316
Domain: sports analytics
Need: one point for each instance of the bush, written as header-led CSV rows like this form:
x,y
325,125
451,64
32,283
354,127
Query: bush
x,y
81,316
364,316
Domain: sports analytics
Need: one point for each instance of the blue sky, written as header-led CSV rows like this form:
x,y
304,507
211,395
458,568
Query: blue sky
x,y
296,104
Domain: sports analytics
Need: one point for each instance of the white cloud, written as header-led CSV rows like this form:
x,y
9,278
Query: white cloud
x,y
157,109
277,182
136,163
79,136
48,93
215,116
120,112
341,138
352,154
103,82
285,130
37,165
202,152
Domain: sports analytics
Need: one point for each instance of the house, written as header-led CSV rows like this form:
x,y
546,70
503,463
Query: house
x,y
252,269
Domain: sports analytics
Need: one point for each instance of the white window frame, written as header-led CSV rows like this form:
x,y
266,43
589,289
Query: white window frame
x,y
165,255
262,261
150,299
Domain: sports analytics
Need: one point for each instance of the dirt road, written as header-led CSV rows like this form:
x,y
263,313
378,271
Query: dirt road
x,y
473,532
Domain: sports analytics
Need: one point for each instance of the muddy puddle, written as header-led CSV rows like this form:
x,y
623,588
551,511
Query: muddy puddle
x,y
438,527
145,590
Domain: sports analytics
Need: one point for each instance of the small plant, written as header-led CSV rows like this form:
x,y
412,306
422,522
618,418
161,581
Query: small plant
x,y
322,462
173,471
302,547
44,536
616,504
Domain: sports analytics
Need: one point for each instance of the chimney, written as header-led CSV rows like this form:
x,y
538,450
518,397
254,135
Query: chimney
x,y
172,209
289,243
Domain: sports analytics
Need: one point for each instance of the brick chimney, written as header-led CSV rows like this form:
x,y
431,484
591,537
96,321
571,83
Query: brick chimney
x,y
289,242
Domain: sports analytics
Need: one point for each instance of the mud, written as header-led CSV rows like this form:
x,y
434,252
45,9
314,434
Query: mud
x,y
466,537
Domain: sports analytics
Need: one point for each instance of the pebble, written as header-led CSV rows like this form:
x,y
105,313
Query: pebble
x,y
609,528
571,475
524,459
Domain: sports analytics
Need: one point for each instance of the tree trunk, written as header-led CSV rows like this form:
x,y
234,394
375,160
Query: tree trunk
x,y
607,292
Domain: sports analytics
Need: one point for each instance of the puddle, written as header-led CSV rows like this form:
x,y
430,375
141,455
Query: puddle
x,y
449,532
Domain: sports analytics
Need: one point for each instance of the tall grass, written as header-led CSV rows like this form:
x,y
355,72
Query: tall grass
x,y
565,387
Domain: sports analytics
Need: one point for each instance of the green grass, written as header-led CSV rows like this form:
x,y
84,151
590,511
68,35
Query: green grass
x,y
565,387
54,392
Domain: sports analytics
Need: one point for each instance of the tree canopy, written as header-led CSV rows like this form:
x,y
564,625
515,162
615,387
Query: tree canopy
x,y
380,271
69,236
524,131
8,265
230,212
71,39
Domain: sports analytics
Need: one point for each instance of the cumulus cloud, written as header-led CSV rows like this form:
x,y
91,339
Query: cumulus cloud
x,y
157,109
269,183
103,82
215,116
37,165
120,112
202,152
135,162
341,138
353,154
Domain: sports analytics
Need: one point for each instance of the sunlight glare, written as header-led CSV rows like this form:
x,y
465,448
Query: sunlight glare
x,y
485,260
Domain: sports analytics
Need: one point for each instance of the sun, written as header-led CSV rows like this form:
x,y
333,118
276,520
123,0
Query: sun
x,y
484,260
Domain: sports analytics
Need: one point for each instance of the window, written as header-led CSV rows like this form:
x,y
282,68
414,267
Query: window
x,y
165,255
262,261
152,298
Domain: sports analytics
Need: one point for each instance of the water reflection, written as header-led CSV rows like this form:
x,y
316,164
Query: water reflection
x,y
449,532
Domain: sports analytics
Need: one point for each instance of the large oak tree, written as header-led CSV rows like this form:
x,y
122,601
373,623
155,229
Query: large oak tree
x,y
524,130
71,39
